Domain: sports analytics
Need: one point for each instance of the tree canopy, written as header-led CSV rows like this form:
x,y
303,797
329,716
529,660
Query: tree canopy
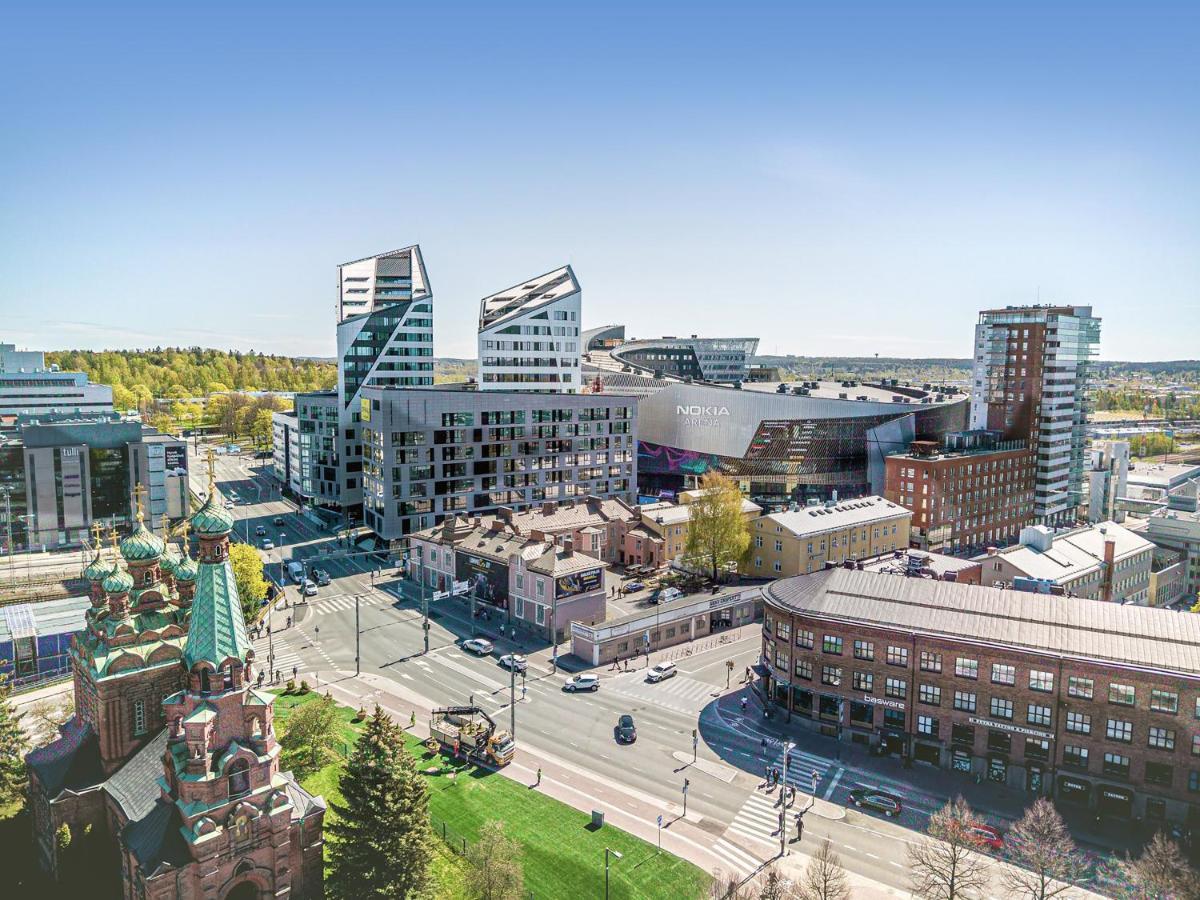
x,y
248,574
717,534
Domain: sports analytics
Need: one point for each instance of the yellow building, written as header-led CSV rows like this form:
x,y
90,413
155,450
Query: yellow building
x,y
670,521
801,541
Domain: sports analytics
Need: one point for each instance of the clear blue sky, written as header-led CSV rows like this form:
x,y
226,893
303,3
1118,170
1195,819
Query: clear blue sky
x,y
843,178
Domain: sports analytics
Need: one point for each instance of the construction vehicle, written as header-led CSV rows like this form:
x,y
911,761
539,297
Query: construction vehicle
x,y
471,731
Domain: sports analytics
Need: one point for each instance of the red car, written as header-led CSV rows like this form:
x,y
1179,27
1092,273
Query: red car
x,y
988,836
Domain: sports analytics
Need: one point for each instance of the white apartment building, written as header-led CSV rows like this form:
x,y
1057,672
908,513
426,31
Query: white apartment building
x,y
1032,370
529,336
1108,480
384,338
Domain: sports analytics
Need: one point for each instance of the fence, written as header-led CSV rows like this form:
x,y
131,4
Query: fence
x,y
451,838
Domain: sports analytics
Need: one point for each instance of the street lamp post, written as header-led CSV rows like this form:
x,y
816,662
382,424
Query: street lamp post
x,y
783,805
512,697
424,609
607,853
686,784
357,634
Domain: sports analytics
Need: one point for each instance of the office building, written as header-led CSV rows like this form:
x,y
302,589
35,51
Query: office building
x,y
1105,561
1179,530
717,360
316,478
384,337
1157,481
430,453
535,583
57,478
1168,578
1108,480
1092,703
28,388
1032,370
285,451
969,492
806,539
529,336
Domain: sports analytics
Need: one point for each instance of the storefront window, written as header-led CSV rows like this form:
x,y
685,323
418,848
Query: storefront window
x,y
999,741
830,708
862,713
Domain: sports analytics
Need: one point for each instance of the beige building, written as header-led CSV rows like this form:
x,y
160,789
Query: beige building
x,y
803,540
669,521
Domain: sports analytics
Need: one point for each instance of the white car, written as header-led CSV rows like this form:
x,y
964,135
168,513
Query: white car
x,y
268,544
309,589
514,661
662,671
478,645
582,683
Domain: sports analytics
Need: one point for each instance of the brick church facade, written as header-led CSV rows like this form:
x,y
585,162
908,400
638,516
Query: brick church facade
x,y
171,757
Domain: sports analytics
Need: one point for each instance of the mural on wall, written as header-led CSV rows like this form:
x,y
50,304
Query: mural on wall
x,y
659,459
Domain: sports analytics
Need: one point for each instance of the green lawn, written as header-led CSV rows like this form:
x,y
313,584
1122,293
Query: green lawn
x,y
563,856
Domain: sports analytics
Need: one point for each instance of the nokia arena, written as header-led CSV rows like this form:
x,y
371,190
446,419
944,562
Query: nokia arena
x,y
784,443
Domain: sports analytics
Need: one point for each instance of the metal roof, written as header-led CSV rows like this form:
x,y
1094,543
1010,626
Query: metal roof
x,y
1137,636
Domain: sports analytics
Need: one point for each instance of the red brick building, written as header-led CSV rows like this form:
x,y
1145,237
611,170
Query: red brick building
x,y
171,756
972,492
1097,705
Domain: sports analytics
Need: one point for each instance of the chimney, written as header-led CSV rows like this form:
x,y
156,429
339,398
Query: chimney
x,y
495,525
993,551
1110,554
568,546
537,536
504,514
549,507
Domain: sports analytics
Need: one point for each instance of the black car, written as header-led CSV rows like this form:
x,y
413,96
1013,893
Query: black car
x,y
626,731
321,577
880,801
278,520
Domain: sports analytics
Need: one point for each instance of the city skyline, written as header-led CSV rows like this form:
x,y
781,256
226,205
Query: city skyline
x,y
929,162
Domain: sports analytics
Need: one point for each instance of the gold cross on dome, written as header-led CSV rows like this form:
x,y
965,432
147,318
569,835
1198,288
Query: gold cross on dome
x,y
137,495
97,534
212,470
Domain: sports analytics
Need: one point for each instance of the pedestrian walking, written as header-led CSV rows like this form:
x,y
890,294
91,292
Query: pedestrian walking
x,y
289,624
277,676
295,671
539,776
412,720
743,704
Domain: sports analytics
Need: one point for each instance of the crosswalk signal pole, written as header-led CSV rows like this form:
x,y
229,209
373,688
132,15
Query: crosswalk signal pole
x,y
686,784
357,644
512,699
695,743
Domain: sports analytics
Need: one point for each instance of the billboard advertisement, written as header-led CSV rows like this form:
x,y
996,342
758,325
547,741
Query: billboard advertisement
x,y
488,578
176,459
578,583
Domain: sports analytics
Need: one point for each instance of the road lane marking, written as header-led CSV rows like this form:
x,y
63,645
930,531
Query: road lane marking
x,y
837,776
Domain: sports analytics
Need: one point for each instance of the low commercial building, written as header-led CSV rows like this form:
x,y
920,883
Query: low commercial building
x,y
971,491
666,625
539,584
669,521
1154,481
58,477
598,526
29,388
430,453
804,540
923,564
1101,562
1179,530
1095,704
1168,577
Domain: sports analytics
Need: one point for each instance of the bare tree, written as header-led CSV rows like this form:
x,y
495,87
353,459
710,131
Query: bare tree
x,y
495,858
947,865
1161,872
1046,862
728,887
824,878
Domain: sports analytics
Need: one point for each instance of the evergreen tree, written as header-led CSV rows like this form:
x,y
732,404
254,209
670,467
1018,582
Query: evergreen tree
x,y
381,847
13,747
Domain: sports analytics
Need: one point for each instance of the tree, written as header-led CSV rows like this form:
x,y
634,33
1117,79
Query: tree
x,y
248,574
381,845
312,737
13,747
1046,860
947,865
824,878
717,534
1161,872
495,860
262,429
775,888
728,887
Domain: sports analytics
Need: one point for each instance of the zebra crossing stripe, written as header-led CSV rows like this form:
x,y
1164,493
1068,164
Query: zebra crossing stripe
x,y
737,858
758,819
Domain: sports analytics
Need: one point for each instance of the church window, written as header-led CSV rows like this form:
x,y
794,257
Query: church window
x,y
139,717
239,778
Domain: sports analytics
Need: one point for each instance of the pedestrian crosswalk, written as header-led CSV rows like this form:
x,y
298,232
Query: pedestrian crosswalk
x,y
323,606
680,693
734,859
758,819
801,767
286,656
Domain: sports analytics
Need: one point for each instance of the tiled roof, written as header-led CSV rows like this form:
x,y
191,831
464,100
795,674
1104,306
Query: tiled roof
x,y
556,562
218,628
70,762
156,839
135,785
1127,635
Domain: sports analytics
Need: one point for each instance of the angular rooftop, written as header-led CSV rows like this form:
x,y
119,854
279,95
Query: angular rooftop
x,y
527,296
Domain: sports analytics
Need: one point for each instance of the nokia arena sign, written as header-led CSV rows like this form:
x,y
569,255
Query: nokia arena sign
x,y
701,416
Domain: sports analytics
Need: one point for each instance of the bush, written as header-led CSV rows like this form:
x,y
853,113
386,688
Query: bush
x,y
304,688
290,687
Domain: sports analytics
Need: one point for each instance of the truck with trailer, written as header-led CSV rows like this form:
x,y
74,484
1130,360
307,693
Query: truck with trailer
x,y
471,731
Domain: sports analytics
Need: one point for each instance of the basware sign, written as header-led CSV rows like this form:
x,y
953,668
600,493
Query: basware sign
x,y
698,416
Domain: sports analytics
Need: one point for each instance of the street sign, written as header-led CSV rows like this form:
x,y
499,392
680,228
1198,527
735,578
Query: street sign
x,y
660,820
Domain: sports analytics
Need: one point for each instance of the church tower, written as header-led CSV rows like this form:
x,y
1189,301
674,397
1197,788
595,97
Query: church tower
x,y
228,822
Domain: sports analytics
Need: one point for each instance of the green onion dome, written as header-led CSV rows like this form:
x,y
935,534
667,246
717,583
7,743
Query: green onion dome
x,y
212,518
118,581
143,545
170,559
186,570
97,569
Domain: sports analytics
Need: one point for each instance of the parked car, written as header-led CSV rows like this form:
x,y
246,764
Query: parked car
x,y
880,801
260,530
989,836
478,646
268,544
321,576
626,731
278,521
514,661
309,589
662,671
632,587
582,683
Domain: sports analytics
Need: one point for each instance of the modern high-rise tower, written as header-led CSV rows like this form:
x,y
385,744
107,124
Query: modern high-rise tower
x,y
384,337
529,336
1032,371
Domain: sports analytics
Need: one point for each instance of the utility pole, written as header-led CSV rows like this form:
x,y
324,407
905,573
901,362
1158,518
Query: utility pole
x,y
695,742
512,698
686,785
783,805
12,571
424,609
357,634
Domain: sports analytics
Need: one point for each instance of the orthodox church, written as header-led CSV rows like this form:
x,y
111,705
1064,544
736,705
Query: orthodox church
x,y
171,755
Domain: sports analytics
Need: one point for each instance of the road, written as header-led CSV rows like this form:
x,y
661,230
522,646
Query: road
x,y
727,801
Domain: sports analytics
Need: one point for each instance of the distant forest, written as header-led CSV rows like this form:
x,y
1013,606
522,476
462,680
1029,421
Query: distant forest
x,y
935,369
